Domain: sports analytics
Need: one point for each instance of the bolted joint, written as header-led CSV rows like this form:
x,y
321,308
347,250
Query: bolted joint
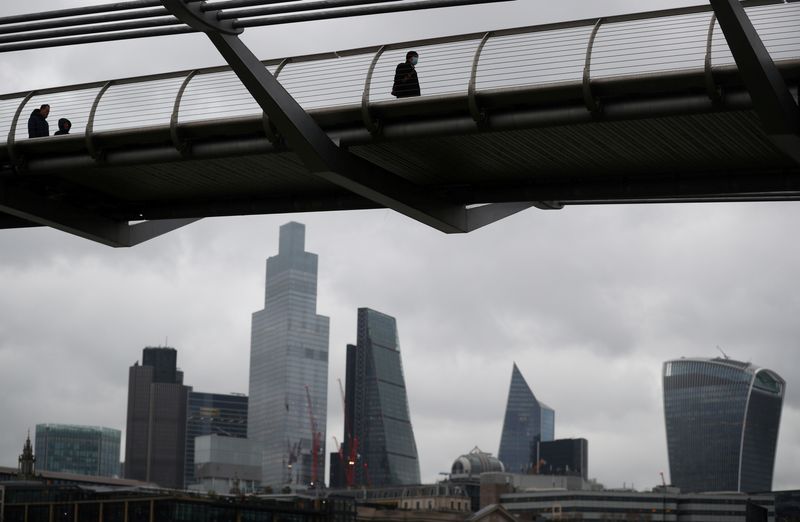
x,y
192,14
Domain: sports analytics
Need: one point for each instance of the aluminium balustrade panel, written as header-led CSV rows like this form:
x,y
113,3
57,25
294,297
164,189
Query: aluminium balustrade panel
x,y
327,83
443,69
777,25
217,95
8,107
655,45
137,105
73,105
533,59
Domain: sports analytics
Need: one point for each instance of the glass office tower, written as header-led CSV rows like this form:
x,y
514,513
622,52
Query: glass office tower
x,y
526,423
212,414
85,450
379,445
289,366
722,418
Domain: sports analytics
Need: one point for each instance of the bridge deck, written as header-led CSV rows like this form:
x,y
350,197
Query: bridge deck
x,y
652,110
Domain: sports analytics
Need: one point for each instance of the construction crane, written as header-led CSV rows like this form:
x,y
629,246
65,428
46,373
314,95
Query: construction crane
x,y
315,440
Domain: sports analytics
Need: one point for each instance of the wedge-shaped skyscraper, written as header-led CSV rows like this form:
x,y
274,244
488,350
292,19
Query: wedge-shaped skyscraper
x,y
289,368
527,421
722,419
379,446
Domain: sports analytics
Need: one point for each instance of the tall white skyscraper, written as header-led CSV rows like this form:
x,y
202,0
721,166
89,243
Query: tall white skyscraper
x,y
289,367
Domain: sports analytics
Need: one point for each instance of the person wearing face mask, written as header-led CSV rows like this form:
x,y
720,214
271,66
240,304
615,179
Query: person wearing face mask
x,y
406,82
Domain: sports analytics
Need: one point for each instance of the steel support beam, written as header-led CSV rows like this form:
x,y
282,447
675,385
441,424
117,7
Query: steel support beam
x,y
39,210
312,144
772,100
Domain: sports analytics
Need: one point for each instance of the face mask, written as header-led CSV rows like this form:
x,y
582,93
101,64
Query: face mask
x,y
414,60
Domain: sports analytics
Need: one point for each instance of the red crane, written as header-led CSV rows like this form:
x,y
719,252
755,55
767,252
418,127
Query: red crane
x,y
315,440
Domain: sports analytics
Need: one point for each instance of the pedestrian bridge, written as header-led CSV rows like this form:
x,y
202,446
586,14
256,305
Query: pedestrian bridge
x,y
639,108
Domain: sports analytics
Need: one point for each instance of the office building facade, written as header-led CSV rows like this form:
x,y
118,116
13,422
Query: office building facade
x,y
212,414
83,450
527,421
289,368
563,457
379,446
722,419
155,437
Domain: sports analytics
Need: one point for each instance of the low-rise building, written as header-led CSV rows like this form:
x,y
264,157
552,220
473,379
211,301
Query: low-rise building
x,y
226,464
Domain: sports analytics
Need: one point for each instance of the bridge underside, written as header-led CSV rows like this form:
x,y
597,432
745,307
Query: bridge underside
x,y
654,139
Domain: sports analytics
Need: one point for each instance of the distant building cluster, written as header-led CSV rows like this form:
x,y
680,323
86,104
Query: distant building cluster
x,y
722,418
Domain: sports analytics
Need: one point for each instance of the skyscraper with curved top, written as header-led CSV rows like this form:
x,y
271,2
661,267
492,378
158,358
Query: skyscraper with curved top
x,y
527,421
722,418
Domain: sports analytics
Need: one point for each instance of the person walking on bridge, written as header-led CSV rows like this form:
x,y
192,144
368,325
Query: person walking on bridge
x,y
406,82
37,123
64,125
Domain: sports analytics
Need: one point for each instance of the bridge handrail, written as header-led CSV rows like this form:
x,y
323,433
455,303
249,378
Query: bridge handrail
x,y
466,65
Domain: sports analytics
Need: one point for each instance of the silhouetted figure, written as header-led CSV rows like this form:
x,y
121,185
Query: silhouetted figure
x,y
64,125
406,83
37,123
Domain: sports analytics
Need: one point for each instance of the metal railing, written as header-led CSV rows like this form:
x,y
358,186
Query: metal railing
x,y
572,53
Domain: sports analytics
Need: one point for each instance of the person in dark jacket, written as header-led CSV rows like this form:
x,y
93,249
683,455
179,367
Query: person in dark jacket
x,y
37,123
406,83
64,125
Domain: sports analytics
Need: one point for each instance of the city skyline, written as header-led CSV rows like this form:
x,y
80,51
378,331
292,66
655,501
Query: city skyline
x,y
589,300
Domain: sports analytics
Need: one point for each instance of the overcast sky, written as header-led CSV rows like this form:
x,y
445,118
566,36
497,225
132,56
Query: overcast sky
x,y
589,301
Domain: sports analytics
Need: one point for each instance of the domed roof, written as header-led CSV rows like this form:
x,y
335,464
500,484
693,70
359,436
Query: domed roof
x,y
474,463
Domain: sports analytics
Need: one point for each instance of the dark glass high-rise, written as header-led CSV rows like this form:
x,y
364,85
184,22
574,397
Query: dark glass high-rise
x,y
155,436
379,446
527,422
722,418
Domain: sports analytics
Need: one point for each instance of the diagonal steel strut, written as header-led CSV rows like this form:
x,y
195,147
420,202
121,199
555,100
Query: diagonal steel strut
x,y
314,147
772,100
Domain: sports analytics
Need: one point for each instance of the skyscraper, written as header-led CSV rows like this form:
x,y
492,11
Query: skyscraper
x,y
379,440
289,367
527,422
722,418
155,437
85,450
212,414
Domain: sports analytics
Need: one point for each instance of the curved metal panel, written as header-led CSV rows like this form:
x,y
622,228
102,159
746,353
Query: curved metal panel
x,y
533,59
334,82
13,130
173,121
90,124
137,105
650,46
776,25
443,69
217,94
369,122
477,114
74,105
9,114
591,103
